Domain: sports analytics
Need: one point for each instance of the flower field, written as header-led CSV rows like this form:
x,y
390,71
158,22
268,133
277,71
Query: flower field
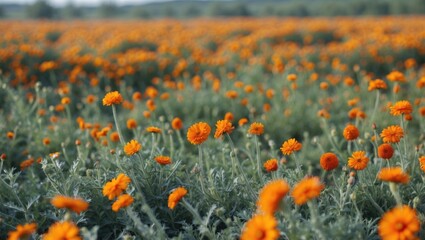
x,y
295,128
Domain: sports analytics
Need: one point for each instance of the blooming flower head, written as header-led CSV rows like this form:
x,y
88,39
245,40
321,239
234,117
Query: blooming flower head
x,y
176,196
358,160
392,134
422,163
385,151
256,128
131,123
401,107
77,205
198,133
271,165
271,195
329,161
261,227
242,121
27,163
223,126
376,85
22,231
123,201
116,186
396,76
393,174
307,189
64,231
153,129
132,147
351,132
112,98
401,222
177,123
290,146
163,160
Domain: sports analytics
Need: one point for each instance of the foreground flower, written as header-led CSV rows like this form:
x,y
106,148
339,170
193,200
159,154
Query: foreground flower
x,y
399,223
392,134
22,231
256,128
163,160
123,201
271,195
175,197
422,163
393,174
351,132
271,165
77,205
401,107
223,126
290,146
329,161
385,151
116,186
63,231
261,227
112,98
198,133
358,160
307,189
132,147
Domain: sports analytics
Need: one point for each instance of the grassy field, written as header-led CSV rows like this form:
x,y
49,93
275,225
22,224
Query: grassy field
x,y
294,128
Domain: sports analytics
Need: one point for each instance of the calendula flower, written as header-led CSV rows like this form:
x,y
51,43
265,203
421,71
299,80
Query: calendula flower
x,y
261,227
385,151
77,205
290,146
153,129
271,165
132,147
358,160
112,98
242,122
392,134
176,196
27,163
376,85
291,77
271,195
393,174
307,189
123,201
222,127
177,123
64,231
422,163
198,133
351,132
399,223
356,113
396,76
329,161
401,107
163,160
116,186
10,135
131,123
256,128
22,231
115,137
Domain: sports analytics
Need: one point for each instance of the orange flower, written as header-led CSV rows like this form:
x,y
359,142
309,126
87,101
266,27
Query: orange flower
x,y
290,146
256,128
46,141
22,231
116,186
422,163
132,147
271,195
385,151
401,107
112,98
358,160
392,134
123,201
153,129
291,77
377,84
329,161
223,126
131,123
271,165
65,100
232,94
393,174
242,122
64,231
351,132
90,99
163,160
324,114
175,197
198,133
177,123
396,76
399,223
27,163
77,205
307,189
261,227
229,116
115,137
356,113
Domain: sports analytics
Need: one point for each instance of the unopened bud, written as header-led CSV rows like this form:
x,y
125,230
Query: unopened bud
x,y
353,196
77,142
416,202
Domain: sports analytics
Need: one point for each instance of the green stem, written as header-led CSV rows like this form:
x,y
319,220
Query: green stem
x,y
114,113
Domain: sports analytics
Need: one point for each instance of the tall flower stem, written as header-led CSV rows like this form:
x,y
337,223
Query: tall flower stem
x,y
372,118
396,194
315,219
257,156
201,169
114,113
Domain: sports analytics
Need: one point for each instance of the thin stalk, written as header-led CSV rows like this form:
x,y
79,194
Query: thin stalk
x,y
114,113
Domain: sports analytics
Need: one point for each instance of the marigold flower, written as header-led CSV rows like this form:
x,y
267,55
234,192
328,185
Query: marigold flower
x,y
77,205
131,123
399,223
229,116
112,98
401,107
356,113
132,147
27,163
271,165
242,121
291,77
396,76
256,128
329,161
351,132
392,134
116,186
22,231
271,195
90,99
422,163
198,133
123,201
177,123
393,174
153,129
232,94
176,196
376,85
46,141
290,146
261,227
324,114
385,151
358,160
163,160
222,127
115,137
63,230
307,189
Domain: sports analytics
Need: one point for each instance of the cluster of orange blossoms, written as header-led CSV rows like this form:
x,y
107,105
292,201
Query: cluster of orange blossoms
x,y
115,188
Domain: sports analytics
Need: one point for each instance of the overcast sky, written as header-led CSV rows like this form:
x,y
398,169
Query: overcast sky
x,y
83,2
